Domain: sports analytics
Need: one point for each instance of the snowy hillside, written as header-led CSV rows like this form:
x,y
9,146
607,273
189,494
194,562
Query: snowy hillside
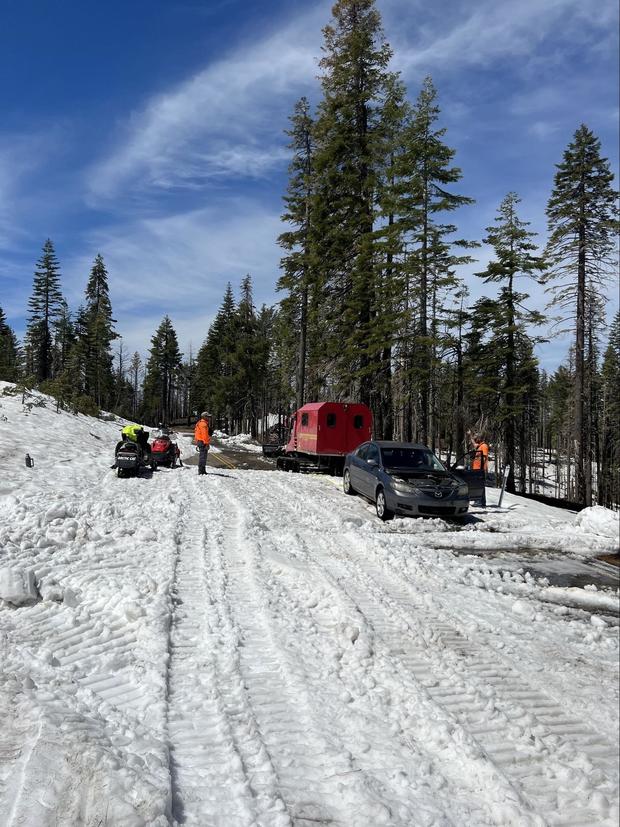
x,y
255,648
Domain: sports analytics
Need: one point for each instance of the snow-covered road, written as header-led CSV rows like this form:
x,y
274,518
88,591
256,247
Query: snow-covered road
x,y
253,648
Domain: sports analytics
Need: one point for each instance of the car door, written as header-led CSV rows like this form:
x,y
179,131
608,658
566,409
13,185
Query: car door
x,y
370,471
356,465
474,479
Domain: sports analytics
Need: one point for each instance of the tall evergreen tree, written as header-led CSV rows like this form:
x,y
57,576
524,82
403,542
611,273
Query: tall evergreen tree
x,y
252,353
424,171
214,387
583,224
389,284
64,338
45,307
609,481
161,373
298,277
355,82
514,257
9,352
99,335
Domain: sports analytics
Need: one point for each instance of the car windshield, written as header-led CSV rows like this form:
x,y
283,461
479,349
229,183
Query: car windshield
x,y
411,459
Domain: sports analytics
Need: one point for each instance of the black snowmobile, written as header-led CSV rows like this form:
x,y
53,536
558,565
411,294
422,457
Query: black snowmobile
x,y
132,453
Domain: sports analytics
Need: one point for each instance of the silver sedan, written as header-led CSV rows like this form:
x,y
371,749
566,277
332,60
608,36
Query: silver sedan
x,y
404,478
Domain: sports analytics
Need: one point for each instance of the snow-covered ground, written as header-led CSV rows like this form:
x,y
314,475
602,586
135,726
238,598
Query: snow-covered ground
x,y
255,648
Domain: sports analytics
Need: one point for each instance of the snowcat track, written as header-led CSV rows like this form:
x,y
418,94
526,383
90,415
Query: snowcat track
x,y
254,708
524,731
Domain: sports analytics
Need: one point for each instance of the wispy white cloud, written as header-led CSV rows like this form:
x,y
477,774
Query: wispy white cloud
x,y
227,119
488,30
19,156
180,265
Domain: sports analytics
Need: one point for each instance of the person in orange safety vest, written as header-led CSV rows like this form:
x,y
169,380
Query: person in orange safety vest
x,y
480,457
480,461
202,438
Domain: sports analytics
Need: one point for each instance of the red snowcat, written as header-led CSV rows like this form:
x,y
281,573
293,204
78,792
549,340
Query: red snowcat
x,y
321,435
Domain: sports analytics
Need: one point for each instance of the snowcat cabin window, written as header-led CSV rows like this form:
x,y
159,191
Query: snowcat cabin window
x,y
331,420
304,419
358,421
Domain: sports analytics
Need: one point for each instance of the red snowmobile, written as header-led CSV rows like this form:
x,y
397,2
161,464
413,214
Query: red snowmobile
x,y
163,450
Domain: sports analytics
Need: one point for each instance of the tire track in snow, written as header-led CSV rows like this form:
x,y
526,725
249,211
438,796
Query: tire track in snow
x,y
365,712
563,768
275,761
318,780
80,657
220,771
97,755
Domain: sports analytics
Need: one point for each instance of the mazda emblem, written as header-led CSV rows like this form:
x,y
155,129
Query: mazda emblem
x,y
438,493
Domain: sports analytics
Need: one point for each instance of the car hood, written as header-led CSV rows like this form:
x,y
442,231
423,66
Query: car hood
x,y
424,478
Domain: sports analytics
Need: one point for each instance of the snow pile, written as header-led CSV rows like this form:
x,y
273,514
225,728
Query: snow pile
x,y
17,586
599,520
245,441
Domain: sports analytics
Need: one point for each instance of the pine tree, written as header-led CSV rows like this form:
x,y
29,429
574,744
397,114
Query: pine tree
x,y
298,277
583,224
424,169
609,481
390,286
64,338
161,373
347,157
45,307
252,354
99,334
513,247
214,387
9,351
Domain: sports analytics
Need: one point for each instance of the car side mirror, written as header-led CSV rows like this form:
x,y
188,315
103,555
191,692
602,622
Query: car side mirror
x,y
373,462
458,467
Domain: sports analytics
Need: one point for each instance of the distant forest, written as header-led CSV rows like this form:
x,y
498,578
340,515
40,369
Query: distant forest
x,y
372,305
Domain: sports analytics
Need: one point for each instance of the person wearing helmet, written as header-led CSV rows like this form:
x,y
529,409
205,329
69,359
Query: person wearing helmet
x,y
202,439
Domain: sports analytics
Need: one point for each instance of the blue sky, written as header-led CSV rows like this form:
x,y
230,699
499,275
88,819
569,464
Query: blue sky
x,y
153,133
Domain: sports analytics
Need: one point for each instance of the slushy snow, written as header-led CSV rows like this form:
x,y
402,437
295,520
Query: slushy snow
x,y
256,648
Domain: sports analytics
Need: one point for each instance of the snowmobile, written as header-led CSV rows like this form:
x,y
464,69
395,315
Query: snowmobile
x,y
133,452
163,450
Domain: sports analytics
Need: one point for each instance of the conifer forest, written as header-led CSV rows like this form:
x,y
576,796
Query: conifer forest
x,y
373,305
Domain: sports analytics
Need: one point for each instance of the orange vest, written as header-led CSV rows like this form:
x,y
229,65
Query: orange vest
x,y
201,432
481,458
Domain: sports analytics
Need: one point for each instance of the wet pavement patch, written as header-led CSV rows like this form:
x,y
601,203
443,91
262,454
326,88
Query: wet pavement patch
x,y
555,567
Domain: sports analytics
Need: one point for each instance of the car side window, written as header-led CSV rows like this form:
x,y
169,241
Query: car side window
x,y
373,453
362,451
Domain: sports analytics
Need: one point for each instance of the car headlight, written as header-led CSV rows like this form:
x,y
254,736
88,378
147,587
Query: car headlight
x,y
463,490
402,485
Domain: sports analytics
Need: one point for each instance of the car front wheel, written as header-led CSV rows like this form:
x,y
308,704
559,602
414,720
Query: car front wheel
x,y
346,482
383,512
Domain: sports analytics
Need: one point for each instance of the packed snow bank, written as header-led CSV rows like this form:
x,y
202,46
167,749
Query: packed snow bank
x,y
65,447
599,520
245,441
